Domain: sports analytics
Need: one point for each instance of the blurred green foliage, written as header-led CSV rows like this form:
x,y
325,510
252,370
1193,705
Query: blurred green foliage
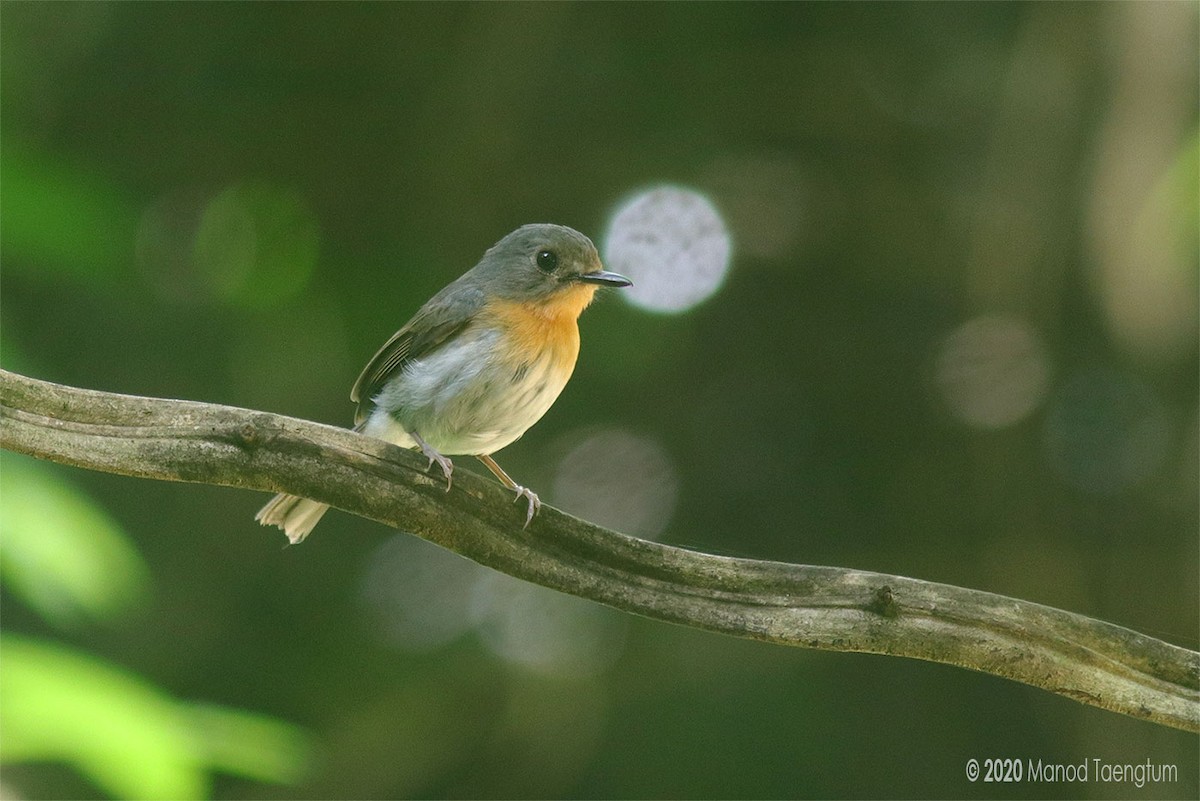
x,y
64,218
69,562
60,553
130,738
259,243
958,341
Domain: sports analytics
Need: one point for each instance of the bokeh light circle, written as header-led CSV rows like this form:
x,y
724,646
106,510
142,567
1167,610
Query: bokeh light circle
x,y
673,243
544,631
422,598
992,371
619,480
419,594
253,244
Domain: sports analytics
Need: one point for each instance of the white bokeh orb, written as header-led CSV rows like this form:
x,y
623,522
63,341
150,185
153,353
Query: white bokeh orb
x,y
673,244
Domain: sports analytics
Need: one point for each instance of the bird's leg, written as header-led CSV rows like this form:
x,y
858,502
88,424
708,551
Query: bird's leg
x,y
433,456
535,503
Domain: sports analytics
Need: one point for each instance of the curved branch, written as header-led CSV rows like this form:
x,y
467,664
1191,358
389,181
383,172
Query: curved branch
x,y
829,608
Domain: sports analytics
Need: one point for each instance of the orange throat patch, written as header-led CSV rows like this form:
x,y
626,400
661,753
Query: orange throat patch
x,y
539,327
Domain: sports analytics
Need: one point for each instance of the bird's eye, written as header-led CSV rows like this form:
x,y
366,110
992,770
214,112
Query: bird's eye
x,y
546,260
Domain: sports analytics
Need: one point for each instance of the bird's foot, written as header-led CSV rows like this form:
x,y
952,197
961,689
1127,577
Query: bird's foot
x,y
535,502
436,458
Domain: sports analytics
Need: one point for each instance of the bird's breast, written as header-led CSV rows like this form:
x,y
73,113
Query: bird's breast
x,y
543,333
482,390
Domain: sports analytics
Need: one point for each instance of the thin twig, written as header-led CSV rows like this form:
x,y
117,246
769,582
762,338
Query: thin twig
x,y
829,608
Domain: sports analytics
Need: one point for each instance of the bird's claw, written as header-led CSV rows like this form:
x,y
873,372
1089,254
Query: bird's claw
x,y
441,461
535,502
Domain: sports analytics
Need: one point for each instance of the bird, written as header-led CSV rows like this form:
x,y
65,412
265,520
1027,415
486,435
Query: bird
x,y
478,364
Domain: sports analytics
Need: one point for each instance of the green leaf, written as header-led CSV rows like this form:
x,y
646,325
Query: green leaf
x,y
117,730
128,737
59,552
251,745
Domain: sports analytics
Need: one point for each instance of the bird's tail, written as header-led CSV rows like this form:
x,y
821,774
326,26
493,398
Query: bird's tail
x,y
295,515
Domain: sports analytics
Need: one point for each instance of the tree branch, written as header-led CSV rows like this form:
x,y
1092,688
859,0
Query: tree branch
x,y
830,608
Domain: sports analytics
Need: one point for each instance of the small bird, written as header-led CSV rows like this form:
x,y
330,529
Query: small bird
x,y
478,364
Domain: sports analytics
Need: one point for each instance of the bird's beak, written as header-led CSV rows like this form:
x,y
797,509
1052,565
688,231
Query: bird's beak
x,y
604,278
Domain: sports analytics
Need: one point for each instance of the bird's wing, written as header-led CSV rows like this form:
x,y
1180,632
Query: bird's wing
x,y
446,314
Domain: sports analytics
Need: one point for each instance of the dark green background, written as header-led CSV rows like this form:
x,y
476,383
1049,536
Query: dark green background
x,y
927,164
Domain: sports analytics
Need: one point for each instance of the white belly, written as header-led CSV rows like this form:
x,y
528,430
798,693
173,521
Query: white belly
x,y
462,404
